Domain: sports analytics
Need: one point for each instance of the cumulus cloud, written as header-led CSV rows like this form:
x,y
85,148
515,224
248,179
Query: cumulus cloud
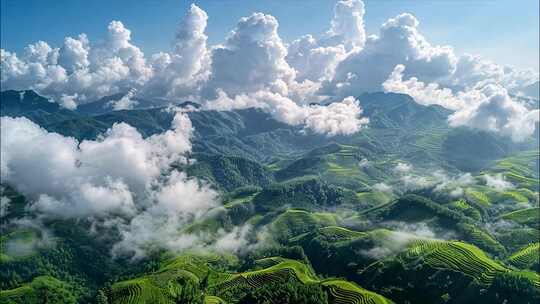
x,y
347,26
473,69
125,103
78,71
494,110
422,93
67,178
341,62
181,72
334,119
399,42
68,101
485,106
119,181
176,203
251,59
315,59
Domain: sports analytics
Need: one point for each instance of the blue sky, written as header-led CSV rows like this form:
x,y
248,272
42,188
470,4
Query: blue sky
x,y
505,31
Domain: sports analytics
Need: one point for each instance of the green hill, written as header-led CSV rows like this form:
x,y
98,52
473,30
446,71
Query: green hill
x,y
42,289
229,172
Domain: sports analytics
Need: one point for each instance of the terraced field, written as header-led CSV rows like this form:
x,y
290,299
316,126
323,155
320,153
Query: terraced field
x,y
520,169
295,222
164,285
479,197
529,216
456,256
344,292
140,290
340,234
430,140
340,164
374,198
213,300
280,272
239,201
526,257
514,196
331,234
482,239
340,291
466,209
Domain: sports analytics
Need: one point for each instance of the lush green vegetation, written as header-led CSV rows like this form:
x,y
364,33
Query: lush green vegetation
x,y
42,289
329,219
527,257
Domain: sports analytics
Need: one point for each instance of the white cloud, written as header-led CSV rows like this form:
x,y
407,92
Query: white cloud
x,y
497,182
402,167
334,119
453,185
347,26
68,101
399,42
74,54
176,203
316,59
67,178
413,182
425,94
492,109
251,59
312,61
485,106
78,72
125,103
382,187
17,246
439,180
341,62
120,181
233,241
472,70
180,73
401,236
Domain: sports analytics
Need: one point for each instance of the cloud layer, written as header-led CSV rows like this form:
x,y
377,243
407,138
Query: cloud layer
x,y
254,62
120,180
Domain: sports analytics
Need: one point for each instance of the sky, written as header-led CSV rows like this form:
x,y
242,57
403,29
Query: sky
x,y
228,55
505,31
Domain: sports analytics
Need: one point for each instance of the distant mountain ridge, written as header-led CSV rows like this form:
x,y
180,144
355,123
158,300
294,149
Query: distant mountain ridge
x,y
398,125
